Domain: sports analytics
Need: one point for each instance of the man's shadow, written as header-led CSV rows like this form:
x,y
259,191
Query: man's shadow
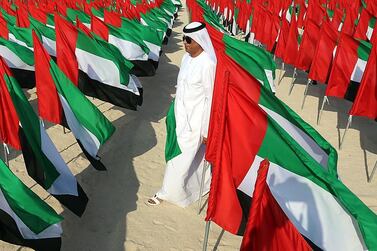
x,y
113,194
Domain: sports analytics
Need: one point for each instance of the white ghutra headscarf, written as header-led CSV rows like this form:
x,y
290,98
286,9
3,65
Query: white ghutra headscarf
x,y
198,32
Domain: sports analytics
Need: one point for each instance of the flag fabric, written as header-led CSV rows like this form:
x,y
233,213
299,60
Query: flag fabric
x,y
10,18
282,39
307,46
151,37
4,32
291,48
23,130
104,72
365,27
249,121
59,101
21,61
129,43
257,62
22,36
47,35
268,227
25,219
324,53
365,103
348,67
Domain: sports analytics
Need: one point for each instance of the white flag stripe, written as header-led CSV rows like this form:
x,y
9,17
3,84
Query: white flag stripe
x,y
315,212
128,49
13,61
307,143
53,231
88,139
358,70
66,183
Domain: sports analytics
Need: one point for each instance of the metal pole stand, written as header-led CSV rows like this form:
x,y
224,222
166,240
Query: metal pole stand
x,y
320,111
372,173
293,81
280,74
206,235
6,153
345,131
205,167
305,93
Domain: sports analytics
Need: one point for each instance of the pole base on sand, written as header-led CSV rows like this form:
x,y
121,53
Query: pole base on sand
x,y
206,165
292,81
206,235
345,131
372,173
6,153
321,110
305,93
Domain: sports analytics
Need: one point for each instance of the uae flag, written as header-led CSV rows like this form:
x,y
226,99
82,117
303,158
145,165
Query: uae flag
x,y
21,61
365,103
10,19
151,37
4,33
25,219
46,34
348,67
22,129
73,15
307,46
365,27
61,102
21,36
129,44
324,53
255,61
248,124
268,227
104,72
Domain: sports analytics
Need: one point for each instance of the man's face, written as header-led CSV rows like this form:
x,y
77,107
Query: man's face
x,y
191,46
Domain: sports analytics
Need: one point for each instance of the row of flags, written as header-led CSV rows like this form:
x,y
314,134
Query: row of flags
x,y
54,47
332,40
299,203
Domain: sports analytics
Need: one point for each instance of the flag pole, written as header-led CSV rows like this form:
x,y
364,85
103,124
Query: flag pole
x,y
205,165
293,81
6,153
320,111
372,173
305,93
280,74
345,131
206,235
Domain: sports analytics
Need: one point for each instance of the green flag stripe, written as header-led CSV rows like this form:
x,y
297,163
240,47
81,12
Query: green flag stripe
x,y
171,148
273,103
25,54
85,112
364,50
34,213
304,165
31,126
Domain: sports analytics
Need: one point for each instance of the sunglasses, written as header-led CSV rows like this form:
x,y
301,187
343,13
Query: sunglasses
x,y
188,39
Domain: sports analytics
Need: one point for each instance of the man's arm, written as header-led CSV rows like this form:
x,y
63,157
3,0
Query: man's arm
x,y
208,83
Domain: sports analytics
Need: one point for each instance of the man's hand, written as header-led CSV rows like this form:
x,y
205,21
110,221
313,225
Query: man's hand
x,y
204,140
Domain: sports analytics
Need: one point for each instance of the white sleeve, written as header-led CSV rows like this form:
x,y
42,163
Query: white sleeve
x,y
208,83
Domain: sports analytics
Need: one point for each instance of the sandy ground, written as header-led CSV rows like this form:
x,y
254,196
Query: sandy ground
x,y
117,218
